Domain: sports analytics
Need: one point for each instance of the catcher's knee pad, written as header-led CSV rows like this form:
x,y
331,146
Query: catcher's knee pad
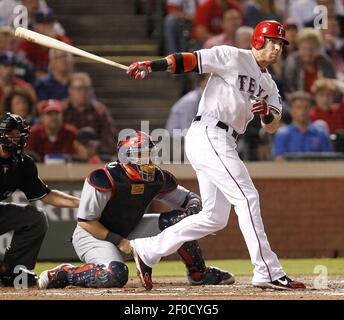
x,y
170,218
100,276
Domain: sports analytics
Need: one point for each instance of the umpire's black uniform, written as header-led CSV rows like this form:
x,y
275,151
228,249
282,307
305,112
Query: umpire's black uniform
x,y
28,222
18,171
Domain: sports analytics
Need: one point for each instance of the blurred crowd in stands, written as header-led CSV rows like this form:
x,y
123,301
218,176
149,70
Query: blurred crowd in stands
x,y
69,123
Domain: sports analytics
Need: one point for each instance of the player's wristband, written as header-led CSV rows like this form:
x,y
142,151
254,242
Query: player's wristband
x,y
113,238
159,65
268,118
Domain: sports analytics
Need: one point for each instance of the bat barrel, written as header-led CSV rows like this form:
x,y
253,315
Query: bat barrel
x,y
49,42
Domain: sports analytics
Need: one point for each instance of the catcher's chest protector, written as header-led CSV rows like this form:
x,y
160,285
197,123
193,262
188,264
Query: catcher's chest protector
x,y
127,206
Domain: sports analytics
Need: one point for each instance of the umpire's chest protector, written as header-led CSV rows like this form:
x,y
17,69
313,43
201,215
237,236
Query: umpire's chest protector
x,y
129,201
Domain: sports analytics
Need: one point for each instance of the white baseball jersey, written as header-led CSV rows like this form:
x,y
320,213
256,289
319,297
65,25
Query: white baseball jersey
x,y
235,77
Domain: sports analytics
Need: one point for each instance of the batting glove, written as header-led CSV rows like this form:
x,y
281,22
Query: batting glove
x,y
260,107
140,70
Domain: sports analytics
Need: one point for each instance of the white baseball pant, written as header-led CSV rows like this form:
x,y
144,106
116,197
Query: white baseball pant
x,y
223,181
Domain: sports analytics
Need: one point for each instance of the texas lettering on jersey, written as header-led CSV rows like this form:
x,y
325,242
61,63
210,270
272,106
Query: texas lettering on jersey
x,y
248,84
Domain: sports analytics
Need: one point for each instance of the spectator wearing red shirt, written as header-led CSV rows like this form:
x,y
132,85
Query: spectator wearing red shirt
x,y
7,79
52,136
303,67
208,21
324,91
231,21
39,55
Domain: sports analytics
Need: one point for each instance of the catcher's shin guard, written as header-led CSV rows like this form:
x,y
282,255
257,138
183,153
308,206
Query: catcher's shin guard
x,y
89,276
191,254
100,276
197,272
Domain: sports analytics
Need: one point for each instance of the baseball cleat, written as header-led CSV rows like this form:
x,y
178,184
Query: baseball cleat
x,y
54,278
211,276
143,271
283,283
227,277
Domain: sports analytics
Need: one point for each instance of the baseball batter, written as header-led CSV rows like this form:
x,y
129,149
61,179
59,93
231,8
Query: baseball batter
x,y
239,88
112,206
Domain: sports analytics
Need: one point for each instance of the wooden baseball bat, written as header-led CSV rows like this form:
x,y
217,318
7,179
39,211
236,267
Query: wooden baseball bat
x,y
49,42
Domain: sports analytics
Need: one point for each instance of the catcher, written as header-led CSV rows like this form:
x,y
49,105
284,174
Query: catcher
x,y
112,206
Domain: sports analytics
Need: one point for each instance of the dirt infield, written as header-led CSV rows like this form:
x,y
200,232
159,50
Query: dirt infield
x,y
176,288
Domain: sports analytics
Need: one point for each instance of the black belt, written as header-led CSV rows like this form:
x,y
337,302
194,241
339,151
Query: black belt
x,y
221,125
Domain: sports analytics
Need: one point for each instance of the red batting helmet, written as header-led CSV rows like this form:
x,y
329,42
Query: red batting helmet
x,y
270,29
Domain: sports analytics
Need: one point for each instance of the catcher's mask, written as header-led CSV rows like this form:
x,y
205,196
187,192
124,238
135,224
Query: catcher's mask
x,y
11,141
138,150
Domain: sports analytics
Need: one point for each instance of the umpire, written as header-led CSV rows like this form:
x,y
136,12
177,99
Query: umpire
x,y
18,171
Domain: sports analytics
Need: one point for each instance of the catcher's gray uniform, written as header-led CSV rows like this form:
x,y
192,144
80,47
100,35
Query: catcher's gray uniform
x,y
93,201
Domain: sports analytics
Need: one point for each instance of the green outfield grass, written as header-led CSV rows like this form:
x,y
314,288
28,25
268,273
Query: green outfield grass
x,y
238,267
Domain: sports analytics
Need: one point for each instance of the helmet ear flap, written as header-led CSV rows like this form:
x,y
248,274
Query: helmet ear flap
x,y
259,42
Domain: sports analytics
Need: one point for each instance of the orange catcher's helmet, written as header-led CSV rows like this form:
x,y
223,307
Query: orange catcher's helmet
x,y
267,29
